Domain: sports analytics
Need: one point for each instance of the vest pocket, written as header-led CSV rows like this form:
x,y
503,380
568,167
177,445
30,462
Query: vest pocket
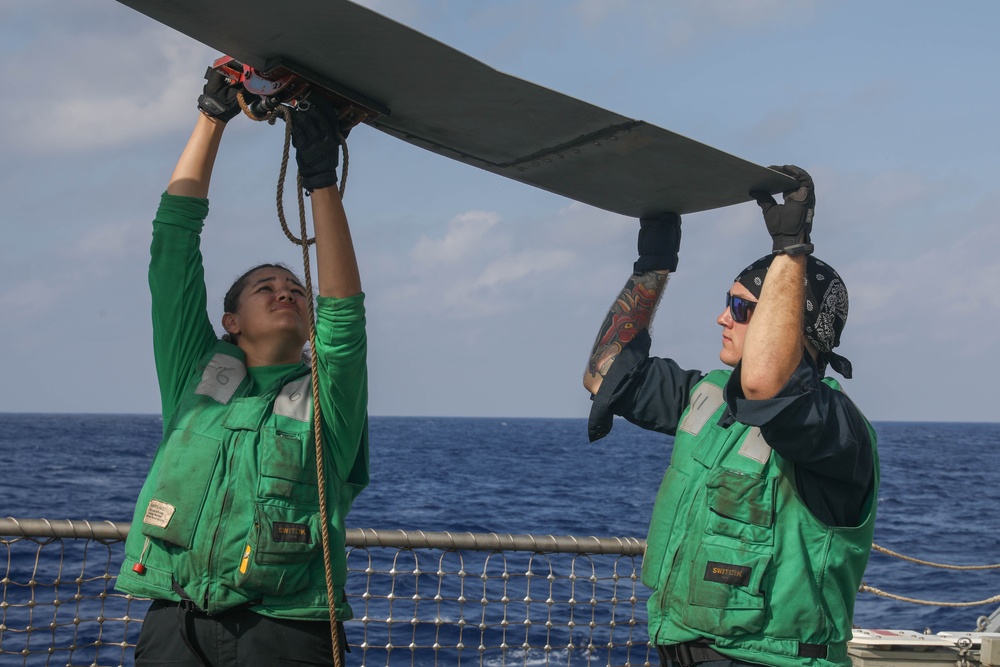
x,y
278,549
741,506
288,468
182,480
724,595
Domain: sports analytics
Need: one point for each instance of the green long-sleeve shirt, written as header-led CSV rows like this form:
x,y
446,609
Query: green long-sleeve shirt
x,y
229,512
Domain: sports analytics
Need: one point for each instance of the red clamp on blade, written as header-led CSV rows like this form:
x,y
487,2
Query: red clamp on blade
x,y
139,569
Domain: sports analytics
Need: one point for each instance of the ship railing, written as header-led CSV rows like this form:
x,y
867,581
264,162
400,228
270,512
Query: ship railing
x,y
419,598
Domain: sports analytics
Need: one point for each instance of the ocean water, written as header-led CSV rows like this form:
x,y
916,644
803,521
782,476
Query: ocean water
x,y
939,494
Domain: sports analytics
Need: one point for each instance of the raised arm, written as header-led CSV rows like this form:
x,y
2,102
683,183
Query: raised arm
x,y
182,331
317,147
337,265
632,312
341,349
775,338
218,105
774,342
193,172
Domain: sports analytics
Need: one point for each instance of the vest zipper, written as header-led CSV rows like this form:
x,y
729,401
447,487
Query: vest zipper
x,y
222,514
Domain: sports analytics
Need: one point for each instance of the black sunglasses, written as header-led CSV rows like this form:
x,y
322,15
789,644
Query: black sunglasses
x,y
739,308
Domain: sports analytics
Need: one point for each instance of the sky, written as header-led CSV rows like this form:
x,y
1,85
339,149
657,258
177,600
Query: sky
x,y
484,295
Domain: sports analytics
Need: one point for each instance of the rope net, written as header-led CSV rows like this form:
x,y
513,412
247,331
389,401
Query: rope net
x,y
499,608
59,606
419,598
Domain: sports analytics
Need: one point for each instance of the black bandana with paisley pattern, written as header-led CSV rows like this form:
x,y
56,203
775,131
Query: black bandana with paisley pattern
x,y
826,307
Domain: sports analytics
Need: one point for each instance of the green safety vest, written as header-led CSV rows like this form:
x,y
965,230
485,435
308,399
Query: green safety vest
x,y
229,513
736,558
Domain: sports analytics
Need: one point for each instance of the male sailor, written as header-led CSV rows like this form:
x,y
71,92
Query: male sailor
x,y
762,526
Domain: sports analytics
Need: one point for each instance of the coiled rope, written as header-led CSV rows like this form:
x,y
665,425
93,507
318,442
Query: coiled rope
x,y
888,552
304,241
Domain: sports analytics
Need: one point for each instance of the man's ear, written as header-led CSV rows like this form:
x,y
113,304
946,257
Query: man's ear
x,y
231,324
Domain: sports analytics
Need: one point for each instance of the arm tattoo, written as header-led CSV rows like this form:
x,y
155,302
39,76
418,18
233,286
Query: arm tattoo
x,y
630,314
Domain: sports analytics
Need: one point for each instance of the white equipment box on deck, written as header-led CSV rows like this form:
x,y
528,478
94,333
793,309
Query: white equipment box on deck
x,y
905,648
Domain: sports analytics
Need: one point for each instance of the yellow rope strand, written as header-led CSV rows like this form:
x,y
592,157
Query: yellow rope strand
x,y
865,588
269,117
318,436
304,241
910,559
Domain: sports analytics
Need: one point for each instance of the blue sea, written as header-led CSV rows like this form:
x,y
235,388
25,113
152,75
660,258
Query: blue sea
x,y
939,494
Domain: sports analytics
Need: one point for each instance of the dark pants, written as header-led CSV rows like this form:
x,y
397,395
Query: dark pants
x,y
239,637
665,661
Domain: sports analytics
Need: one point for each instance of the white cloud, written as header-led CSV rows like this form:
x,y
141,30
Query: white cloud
x,y
943,293
478,268
891,189
101,101
511,268
30,298
595,11
581,226
119,81
466,237
109,241
680,23
745,12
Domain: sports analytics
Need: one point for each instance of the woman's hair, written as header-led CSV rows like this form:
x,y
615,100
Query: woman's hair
x,y
231,302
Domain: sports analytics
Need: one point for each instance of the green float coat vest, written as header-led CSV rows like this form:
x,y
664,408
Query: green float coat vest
x,y
229,513
736,558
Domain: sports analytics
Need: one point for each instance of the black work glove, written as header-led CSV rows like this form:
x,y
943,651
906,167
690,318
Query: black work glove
x,y
317,146
790,224
219,97
659,241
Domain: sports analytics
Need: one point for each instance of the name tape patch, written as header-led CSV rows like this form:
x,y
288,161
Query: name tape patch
x,y
158,513
726,573
290,532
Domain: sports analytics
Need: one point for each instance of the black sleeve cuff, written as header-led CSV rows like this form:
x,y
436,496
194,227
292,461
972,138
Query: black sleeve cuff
x,y
601,417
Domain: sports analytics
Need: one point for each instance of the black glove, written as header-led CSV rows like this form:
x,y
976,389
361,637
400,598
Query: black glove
x,y
659,241
317,147
219,97
790,224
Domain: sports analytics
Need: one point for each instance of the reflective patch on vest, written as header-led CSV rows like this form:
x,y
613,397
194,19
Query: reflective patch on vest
x,y
290,532
755,446
245,561
706,400
158,513
724,573
221,377
295,400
